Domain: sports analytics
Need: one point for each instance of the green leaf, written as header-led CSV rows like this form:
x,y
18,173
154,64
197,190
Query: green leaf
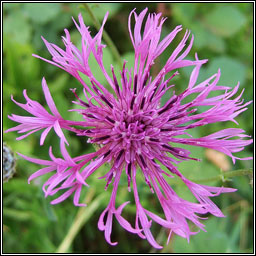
x,y
41,12
206,39
22,67
184,12
216,43
214,240
225,20
17,215
201,34
232,70
17,28
194,170
19,186
64,21
48,208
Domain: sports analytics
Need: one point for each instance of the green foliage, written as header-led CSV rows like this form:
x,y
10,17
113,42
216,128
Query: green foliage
x,y
223,34
99,10
232,70
41,13
225,21
17,27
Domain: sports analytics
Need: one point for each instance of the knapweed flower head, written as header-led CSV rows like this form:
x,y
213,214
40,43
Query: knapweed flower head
x,y
135,134
9,163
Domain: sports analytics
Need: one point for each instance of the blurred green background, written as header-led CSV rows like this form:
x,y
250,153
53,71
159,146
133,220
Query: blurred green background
x,y
223,34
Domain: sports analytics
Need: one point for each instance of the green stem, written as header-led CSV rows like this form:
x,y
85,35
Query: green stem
x,y
82,216
226,175
105,35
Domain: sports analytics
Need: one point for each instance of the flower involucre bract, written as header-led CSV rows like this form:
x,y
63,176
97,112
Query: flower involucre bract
x,y
135,134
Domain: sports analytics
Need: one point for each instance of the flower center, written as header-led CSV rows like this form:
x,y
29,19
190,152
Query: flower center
x,y
133,127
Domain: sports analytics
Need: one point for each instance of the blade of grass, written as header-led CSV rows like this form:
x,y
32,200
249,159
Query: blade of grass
x,y
17,214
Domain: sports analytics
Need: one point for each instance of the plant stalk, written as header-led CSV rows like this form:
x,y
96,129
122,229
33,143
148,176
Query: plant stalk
x,y
82,216
105,35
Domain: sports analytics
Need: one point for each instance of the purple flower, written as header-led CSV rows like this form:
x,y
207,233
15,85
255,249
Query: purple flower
x,y
41,120
133,131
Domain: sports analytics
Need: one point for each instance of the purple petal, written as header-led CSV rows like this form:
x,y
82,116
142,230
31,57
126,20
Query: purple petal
x,y
63,196
77,196
44,134
108,229
41,172
35,160
59,132
49,99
